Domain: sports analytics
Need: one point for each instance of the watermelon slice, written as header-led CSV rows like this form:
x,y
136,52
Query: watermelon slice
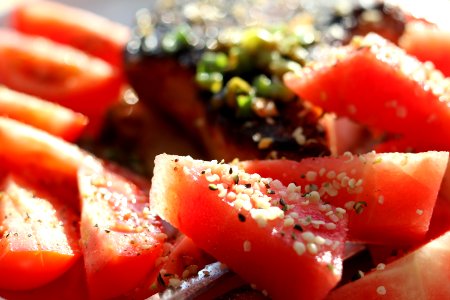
x,y
389,197
285,244
422,274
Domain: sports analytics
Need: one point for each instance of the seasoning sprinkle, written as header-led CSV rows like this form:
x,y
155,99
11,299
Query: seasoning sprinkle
x,y
241,217
213,187
359,206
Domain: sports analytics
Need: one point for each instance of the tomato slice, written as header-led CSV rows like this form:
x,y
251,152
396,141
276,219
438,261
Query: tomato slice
x,y
437,40
422,274
58,73
69,286
377,84
42,114
121,239
267,233
39,237
41,157
389,197
79,28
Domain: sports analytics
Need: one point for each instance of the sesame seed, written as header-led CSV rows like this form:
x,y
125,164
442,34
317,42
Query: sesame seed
x,y
247,246
381,290
322,171
312,248
288,222
331,174
308,236
319,240
311,176
381,199
330,226
349,205
340,210
419,212
299,247
381,266
174,282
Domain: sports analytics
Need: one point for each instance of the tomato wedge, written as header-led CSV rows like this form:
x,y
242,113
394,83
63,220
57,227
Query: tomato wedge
x,y
437,40
389,197
41,157
58,73
42,114
69,286
79,28
377,84
121,239
39,236
267,233
422,274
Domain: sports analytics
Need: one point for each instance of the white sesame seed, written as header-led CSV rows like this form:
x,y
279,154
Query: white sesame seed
x,y
288,222
331,174
322,171
299,247
352,183
294,215
381,290
340,210
349,205
319,240
419,212
312,248
314,197
330,226
311,175
334,218
174,282
381,199
308,236
381,266
348,155
247,246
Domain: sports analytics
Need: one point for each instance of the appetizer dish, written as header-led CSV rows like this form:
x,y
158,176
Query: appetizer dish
x,y
225,150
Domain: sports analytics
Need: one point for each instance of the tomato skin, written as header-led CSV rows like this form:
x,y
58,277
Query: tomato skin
x,y
121,240
42,114
39,236
78,28
59,73
373,78
392,176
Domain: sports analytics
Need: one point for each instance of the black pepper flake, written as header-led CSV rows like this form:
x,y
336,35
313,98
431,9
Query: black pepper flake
x,y
248,185
203,172
29,235
270,192
359,206
283,205
176,159
7,235
230,171
241,217
96,225
298,227
107,230
168,275
236,179
213,187
161,280
302,176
